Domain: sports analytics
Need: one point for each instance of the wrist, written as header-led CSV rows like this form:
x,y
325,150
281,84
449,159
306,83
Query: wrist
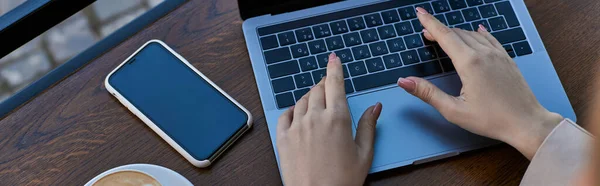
x,y
533,131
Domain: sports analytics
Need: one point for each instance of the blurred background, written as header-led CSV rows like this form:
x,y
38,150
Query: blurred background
x,y
65,40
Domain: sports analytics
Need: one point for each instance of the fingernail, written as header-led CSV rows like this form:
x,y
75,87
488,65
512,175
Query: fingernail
x,y
482,28
376,108
407,84
425,31
422,11
332,57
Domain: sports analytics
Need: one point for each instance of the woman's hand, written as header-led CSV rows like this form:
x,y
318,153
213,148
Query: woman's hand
x,y
495,100
314,138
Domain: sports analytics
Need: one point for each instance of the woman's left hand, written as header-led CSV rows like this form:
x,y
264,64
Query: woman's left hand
x,y
314,138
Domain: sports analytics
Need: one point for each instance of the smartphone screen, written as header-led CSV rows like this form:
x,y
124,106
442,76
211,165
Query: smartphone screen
x,y
179,101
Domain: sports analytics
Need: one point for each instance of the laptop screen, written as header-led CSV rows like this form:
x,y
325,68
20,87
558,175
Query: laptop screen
x,y
253,8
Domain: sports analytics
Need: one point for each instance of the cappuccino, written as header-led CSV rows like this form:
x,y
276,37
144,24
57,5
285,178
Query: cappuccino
x,y
127,178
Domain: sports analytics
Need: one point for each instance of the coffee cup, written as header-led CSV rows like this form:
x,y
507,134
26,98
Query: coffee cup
x,y
126,178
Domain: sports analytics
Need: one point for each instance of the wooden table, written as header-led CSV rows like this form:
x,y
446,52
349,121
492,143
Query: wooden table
x,y
76,130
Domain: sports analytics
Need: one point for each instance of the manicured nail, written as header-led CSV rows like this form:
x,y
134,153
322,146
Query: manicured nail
x,y
422,11
482,28
407,84
376,108
332,57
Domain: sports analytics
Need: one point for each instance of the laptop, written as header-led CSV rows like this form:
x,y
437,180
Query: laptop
x,y
379,41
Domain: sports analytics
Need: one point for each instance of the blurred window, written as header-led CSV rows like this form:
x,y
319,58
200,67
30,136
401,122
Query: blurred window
x,y
65,40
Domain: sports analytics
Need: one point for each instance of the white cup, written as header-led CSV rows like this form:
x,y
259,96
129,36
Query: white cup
x,y
162,175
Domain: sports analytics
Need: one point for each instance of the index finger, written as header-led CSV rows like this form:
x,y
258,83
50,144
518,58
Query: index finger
x,y
335,92
448,40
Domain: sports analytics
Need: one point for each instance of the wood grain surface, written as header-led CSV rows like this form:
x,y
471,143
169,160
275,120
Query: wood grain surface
x,y
76,130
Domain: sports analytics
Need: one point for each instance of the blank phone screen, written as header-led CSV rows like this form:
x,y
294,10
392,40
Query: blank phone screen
x,y
179,101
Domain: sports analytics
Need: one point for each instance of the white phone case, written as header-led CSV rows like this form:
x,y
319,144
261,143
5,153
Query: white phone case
x,y
162,134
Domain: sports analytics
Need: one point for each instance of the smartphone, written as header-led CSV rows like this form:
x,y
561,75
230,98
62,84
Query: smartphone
x,y
179,103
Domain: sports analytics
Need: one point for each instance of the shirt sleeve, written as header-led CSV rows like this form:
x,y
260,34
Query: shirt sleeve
x,y
562,154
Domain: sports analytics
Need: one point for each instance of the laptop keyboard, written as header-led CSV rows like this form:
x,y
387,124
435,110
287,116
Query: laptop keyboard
x,y
377,43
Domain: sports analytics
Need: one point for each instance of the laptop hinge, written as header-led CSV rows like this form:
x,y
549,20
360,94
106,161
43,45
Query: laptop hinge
x,y
437,157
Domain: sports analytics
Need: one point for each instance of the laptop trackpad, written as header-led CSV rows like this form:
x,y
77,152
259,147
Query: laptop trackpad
x,y
409,129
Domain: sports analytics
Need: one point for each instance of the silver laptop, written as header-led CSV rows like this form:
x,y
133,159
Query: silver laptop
x,y
379,41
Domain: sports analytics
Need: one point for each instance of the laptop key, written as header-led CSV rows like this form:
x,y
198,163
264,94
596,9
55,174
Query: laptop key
x,y
283,69
285,100
474,2
403,28
487,11
345,55
510,35
283,84
498,23
396,44
299,93
442,19
391,76
455,18
417,25
357,68
440,6
390,16
378,48
334,43
322,60
407,13
447,65
491,1
286,38
348,86
321,31
361,52
510,51
413,41
440,51
308,63
522,48
345,70
471,14
269,42
369,35
427,53
299,50
374,65
303,80
352,39
277,55
457,4
505,9
373,20
317,46
476,24
466,26
409,57
392,61
426,6
304,34
318,75
339,27
426,42
356,23
387,31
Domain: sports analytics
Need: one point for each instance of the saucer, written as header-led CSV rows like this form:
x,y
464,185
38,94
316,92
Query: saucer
x,y
163,175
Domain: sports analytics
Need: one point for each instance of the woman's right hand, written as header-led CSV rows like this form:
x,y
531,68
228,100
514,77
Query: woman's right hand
x,y
495,100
